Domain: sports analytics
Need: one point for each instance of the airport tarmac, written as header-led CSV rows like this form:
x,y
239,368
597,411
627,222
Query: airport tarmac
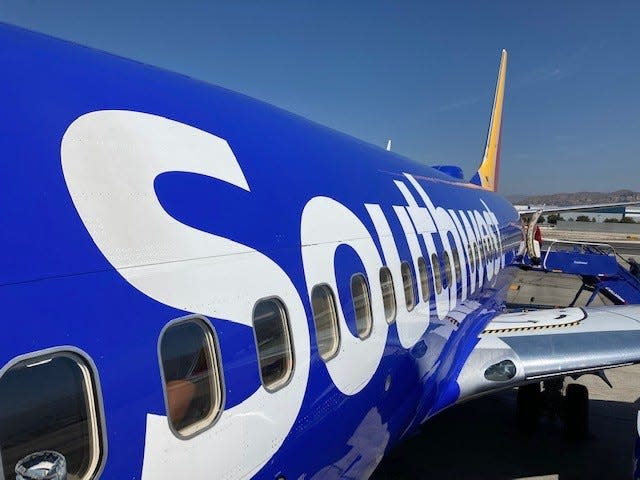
x,y
624,244
479,439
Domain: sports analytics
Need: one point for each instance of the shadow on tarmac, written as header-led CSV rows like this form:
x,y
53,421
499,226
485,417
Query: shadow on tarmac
x,y
479,440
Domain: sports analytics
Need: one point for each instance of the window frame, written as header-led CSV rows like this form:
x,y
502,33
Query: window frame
x,y
280,384
423,273
447,268
335,321
457,266
471,254
365,281
95,402
404,286
216,362
387,270
437,273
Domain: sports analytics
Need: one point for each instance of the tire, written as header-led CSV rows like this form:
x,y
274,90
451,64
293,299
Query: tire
x,y
576,415
528,408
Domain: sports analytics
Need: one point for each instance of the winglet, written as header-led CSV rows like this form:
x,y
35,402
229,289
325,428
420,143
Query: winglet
x,y
388,145
487,175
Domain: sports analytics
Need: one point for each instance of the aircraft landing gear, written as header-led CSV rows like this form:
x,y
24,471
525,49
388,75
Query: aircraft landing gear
x,y
572,407
576,411
528,407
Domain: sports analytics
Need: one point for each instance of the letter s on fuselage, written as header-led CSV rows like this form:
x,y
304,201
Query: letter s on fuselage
x,y
110,161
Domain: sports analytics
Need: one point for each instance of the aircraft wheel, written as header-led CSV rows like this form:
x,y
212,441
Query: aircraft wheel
x,y
576,418
528,407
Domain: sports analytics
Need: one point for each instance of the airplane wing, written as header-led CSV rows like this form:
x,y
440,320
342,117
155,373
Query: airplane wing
x,y
519,348
574,208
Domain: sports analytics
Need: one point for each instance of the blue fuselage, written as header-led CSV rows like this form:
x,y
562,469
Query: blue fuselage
x,y
290,203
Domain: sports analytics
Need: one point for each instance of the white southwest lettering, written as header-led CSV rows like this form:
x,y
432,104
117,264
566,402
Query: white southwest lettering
x,y
101,148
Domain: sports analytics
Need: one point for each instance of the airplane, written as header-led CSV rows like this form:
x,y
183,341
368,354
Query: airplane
x,y
200,285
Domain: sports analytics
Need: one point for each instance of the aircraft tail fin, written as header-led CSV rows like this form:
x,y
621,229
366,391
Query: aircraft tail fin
x,y
487,174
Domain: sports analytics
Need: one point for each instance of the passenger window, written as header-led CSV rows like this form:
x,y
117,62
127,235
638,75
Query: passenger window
x,y
50,402
361,305
275,352
191,375
388,294
424,282
447,267
435,265
407,281
325,319
456,264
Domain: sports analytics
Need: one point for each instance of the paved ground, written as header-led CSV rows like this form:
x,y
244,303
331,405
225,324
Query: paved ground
x,y
479,440
555,289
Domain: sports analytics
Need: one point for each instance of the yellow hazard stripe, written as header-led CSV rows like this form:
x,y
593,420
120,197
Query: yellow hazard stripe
x,y
456,323
536,327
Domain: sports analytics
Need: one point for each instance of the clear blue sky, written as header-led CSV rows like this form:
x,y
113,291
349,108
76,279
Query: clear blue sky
x,y
420,73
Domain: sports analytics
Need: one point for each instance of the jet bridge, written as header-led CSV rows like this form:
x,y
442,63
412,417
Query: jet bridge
x,y
600,267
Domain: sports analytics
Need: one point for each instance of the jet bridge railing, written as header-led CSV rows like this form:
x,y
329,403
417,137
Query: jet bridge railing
x,y
580,258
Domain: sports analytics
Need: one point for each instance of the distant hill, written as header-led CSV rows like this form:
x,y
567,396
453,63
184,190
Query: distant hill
x,y
577,198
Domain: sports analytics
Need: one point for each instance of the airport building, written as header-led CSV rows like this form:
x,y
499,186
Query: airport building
x,y
633,212
599,216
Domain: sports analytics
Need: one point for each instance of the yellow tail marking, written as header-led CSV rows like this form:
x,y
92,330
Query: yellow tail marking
x,y
489,168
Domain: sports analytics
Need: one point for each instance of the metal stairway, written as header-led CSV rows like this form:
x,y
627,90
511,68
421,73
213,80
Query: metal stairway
x,y
597,264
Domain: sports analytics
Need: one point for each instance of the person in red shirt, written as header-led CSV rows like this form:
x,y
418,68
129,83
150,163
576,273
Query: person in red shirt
x,y
537,236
